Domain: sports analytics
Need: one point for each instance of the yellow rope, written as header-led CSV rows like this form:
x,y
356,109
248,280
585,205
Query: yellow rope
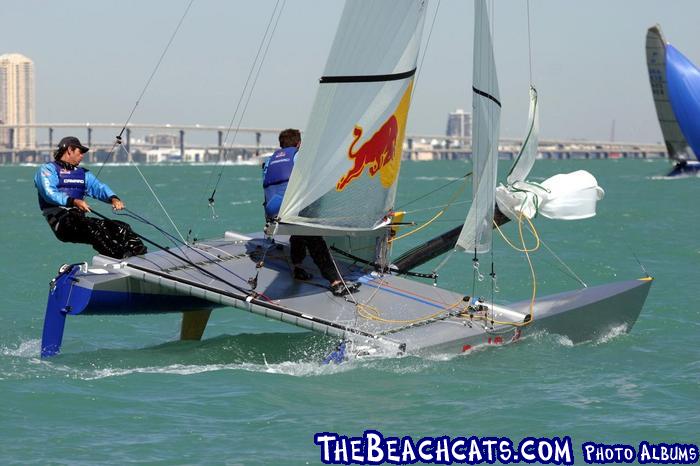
x,y
372,313
438,215
532,230
527,252
529,261
416,230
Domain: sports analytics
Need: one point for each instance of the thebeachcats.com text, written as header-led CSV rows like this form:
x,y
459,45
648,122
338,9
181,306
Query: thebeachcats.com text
x,y
374,448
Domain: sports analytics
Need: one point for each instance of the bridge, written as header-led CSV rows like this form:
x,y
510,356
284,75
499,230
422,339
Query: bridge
x,y
154,143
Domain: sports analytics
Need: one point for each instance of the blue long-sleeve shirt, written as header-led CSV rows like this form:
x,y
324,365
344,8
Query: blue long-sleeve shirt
x,y
46,181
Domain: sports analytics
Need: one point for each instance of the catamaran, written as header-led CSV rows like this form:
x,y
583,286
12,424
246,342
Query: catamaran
x,y
343,187
675,85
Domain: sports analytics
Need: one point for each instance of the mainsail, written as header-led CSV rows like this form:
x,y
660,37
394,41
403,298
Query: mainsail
x,y
345,174
671,77
486,107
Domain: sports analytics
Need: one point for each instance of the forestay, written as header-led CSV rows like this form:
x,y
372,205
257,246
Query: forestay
x,y
345,175
486,107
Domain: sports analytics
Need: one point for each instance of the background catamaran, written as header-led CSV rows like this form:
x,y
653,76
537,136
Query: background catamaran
x,y
675,86
343,187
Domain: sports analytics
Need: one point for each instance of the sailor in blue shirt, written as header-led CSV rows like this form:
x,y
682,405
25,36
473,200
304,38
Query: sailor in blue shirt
x,y
276,173
62,187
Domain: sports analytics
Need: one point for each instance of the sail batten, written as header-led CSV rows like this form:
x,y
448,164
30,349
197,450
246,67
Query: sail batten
x,y
367,78
346,171
487,95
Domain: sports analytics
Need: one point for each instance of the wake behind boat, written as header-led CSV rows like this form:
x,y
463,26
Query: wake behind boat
x,y
343,187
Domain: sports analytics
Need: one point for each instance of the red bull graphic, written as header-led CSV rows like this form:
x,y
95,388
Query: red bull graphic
x,y
374,153
381,152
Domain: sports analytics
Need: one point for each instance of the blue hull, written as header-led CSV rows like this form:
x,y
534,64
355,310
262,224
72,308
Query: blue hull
x,y
68,297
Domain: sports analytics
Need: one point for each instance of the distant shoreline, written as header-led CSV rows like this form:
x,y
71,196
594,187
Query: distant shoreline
x,y
255,163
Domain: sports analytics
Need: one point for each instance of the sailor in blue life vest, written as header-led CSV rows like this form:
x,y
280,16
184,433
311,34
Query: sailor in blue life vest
x,y
276,173
62,187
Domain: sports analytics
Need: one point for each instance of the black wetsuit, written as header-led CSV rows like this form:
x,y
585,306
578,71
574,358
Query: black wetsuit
x,y
59,184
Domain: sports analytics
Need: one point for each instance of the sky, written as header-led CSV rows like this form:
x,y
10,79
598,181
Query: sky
x,y
93,58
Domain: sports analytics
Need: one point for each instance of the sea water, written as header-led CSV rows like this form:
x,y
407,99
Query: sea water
x,y
253,391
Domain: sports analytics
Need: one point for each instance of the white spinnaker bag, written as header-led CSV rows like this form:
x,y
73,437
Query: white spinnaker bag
x,y
569,196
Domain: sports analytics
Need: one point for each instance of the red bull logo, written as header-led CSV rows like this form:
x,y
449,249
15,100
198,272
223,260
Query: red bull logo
x,y
381,153
375,153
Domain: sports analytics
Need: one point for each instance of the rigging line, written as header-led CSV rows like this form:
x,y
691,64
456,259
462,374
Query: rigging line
x,y
433,191
444,261
454,221
255,64
454,197
478,26
644,269
342,280
529,262
576,277
531,227
238,104
527,252
425,51
434,208
154,195
177,242
359,307
145,87
376,266
529,40
493,276
370,312
257,73
189,262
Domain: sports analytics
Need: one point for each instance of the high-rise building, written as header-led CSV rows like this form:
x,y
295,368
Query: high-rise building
x,y
459,124
17,100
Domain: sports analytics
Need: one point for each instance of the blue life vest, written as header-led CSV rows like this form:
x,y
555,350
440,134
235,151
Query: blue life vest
x,y
275,178
279,167
70,182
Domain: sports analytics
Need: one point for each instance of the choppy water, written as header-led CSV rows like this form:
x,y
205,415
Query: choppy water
x,y
254,392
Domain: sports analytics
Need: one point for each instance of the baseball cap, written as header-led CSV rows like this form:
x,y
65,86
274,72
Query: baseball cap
x,y
71,141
